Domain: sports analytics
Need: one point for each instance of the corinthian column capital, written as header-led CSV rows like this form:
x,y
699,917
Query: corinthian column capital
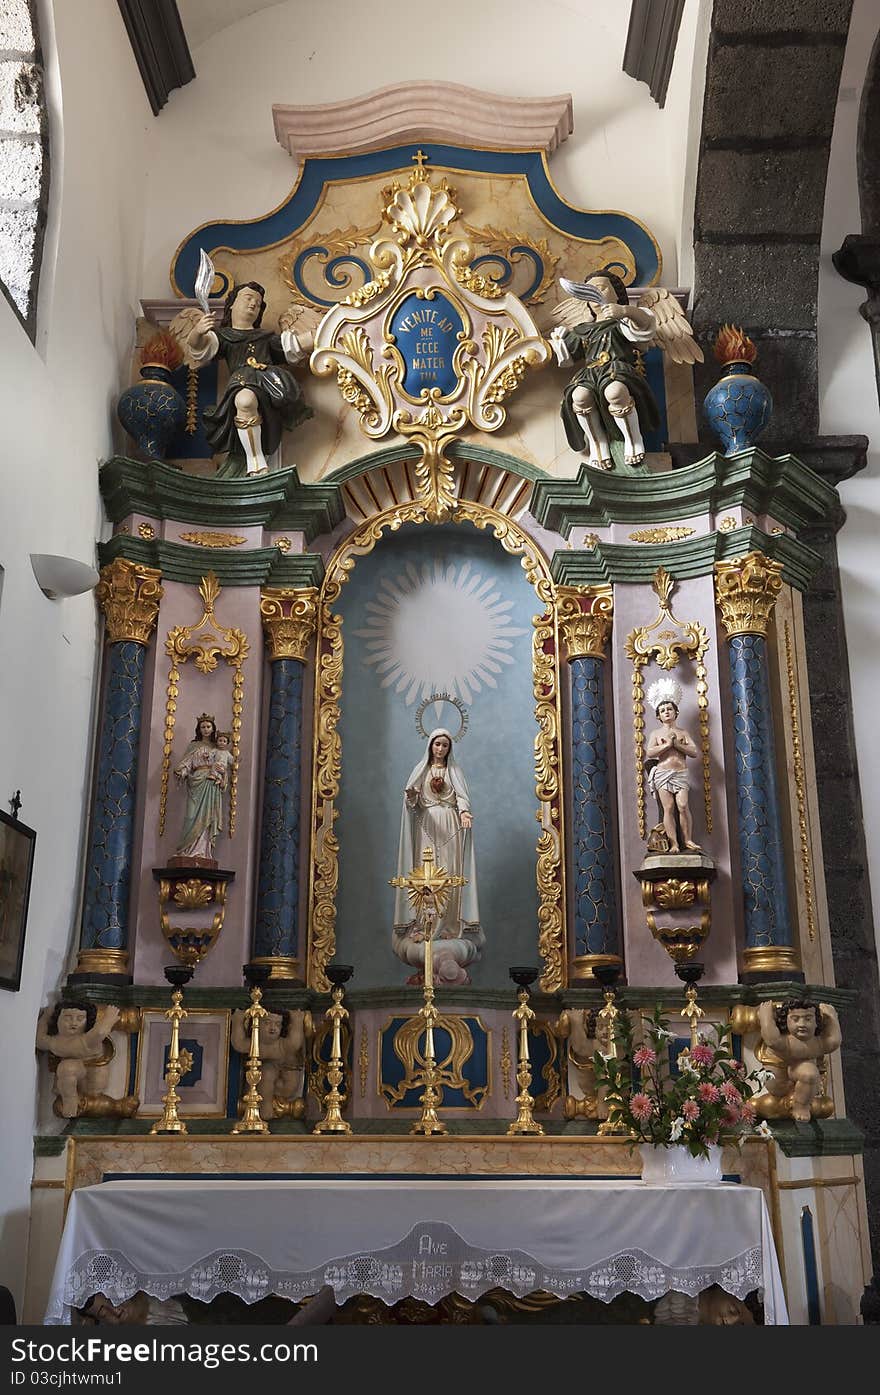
x,y
585,616
746,589
289,618
129,595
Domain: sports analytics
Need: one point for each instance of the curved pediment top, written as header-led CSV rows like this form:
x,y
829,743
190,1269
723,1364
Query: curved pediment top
x,y
312,247
404,112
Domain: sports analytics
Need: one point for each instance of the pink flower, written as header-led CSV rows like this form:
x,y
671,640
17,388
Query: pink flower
x,y
748,1113
644,1056
709,1094
702,1055
731,1093
641,1108
730,1117
690,1110
739,1067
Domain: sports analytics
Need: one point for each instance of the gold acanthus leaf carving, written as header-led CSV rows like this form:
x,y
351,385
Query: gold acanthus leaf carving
x,y
508,245
661,535
213,539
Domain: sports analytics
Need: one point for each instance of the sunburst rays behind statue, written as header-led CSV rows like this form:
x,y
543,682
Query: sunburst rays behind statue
x,y
439,628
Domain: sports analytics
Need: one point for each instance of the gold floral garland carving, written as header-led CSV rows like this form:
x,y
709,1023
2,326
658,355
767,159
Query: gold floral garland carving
x,y
800,784
327,763
205,643
681,639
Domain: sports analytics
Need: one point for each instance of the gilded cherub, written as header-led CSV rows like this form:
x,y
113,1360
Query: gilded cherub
x,y
598,324
795,1036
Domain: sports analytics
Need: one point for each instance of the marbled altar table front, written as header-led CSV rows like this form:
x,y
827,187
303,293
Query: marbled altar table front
x,y
407,1237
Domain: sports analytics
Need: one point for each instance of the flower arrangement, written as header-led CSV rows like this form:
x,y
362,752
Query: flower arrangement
x,y
162,350
709,1092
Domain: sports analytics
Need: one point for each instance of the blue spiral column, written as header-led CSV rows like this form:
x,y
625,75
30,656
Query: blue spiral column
x,y
129,595
289,619
585,616
746,589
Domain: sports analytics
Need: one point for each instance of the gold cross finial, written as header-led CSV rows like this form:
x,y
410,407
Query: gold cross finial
x,y
420,158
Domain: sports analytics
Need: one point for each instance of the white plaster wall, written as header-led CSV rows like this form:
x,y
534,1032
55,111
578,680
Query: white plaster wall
x,y
214,153
848,404
56,406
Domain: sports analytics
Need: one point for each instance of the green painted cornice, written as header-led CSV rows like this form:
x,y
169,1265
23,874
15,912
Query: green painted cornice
x,y
261,566
584,994
780,486
277,500
637,562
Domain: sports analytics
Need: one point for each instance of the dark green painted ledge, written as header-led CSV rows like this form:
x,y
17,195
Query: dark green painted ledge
x,y
781,486
277,500
261,566
822,1138
622,562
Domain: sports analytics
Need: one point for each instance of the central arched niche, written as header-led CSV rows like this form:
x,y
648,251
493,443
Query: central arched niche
x,y
437,609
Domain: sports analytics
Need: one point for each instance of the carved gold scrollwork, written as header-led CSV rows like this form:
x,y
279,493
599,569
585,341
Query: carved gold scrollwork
x,y
496,343
327,763
448,1070
667,647
205,643
550,1074
129,595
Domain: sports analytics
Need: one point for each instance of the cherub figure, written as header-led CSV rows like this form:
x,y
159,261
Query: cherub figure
x,y
283,1037
598,324
795,1035
74,1035
586,1033
667,751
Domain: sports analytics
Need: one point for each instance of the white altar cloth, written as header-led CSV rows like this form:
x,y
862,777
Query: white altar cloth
x,y
420,1238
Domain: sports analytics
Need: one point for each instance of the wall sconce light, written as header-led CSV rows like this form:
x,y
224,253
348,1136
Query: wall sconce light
x,y
60,577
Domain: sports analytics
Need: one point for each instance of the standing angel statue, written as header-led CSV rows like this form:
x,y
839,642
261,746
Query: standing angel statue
x,y
597,324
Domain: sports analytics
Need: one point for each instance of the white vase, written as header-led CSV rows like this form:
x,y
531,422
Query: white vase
x,y
663,1166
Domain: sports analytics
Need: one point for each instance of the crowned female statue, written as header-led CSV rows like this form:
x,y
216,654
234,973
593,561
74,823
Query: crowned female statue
x,y
205,770
437,814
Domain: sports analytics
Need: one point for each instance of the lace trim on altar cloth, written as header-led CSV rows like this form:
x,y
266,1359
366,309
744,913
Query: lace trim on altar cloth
x,y
430,1263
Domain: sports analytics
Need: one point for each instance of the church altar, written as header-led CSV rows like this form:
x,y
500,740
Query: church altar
x,y
424,1238
558,686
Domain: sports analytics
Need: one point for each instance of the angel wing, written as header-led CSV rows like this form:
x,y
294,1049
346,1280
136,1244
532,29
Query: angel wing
x,y
301,318
674,334
569,312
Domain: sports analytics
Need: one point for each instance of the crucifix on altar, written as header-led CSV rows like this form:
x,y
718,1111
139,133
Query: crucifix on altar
x,y
427,888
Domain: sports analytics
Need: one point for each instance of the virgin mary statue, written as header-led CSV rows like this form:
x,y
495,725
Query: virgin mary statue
x,y
437,814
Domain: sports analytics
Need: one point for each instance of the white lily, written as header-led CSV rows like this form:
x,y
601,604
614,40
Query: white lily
x,y
676,1129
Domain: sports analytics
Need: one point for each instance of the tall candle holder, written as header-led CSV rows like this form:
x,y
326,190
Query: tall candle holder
x,y
606,1032
428,887
690,974
524,1123
179,1062
333,1122
251,1122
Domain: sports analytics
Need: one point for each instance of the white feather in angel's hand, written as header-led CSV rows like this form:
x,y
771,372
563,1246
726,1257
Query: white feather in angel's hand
x,y
673,334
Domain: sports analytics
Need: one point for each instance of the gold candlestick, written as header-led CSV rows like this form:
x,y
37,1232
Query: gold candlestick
x,y
333,1122
251,1121
524,1122
606,1030
691,973
428,1123
179,1062
428,888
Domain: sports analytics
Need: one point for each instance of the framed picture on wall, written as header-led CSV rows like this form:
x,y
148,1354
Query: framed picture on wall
x,y
16,864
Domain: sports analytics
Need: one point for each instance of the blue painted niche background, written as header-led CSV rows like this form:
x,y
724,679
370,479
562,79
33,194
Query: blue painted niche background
x,y
380,744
